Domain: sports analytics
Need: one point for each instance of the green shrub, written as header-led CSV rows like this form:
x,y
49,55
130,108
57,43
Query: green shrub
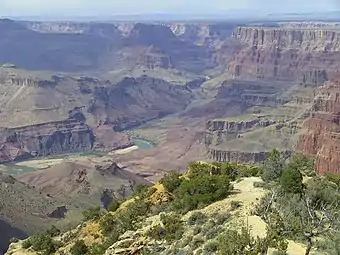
x,y
26,244
171,181
234,242
172,228
200,191
222,218
196,230
235,205
303,163
43,242
113,206
273,166
211,247
53,231
93,213
97,249
79,248
197,218
291,181
143,191
212,232
107,224
335,178
197,242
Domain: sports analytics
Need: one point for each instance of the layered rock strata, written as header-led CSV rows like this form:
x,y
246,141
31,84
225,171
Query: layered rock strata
x,y
45,139
322,131
242,156
290,54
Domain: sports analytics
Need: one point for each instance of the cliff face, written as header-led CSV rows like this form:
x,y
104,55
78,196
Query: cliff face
x,y
134,101
321,137
45,139
242,157
290,54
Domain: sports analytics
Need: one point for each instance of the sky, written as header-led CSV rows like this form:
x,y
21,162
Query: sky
x,y
114,7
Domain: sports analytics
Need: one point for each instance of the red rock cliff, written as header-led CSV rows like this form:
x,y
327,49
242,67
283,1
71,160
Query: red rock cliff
x,y
322,130
305,55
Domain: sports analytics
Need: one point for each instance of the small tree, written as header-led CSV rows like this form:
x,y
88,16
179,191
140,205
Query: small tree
x,y
303,163
93,213
273,166
291,181
233,243
113,206
79,248
171,181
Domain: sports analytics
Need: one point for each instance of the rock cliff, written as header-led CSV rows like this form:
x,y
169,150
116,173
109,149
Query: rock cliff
x,y
242,156
309,56
45,139
133,101
321,137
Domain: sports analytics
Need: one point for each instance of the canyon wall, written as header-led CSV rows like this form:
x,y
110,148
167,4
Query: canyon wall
x,y
309,56
241,156
45,139
321,137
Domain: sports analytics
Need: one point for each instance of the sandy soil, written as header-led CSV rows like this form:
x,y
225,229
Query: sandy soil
x,y
124,151
41,163
248,195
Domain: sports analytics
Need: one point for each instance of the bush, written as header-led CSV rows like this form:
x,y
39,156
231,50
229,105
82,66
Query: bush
x,y
322,192
233,242
93,213
97,249
113,206
291,181
26,244
53,231
197,241
172,228
43,242
197,218
303,163
200,191
171,181
222,218
211,247
235,205
335,178
79,248
273,166
212,232
107,224
196,230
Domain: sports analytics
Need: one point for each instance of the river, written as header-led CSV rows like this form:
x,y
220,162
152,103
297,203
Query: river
x,y
21,168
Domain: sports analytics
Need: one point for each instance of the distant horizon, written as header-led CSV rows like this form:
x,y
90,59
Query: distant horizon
x,y
185,8
234,14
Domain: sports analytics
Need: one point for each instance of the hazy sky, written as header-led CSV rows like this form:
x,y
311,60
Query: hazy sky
x,y
108,7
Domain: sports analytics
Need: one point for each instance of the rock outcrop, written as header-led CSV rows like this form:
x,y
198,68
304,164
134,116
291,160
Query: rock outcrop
x,y
45,139
322,130
241,156
234,126
133,101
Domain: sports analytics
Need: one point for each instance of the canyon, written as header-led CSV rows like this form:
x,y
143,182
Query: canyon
x,y
223,92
